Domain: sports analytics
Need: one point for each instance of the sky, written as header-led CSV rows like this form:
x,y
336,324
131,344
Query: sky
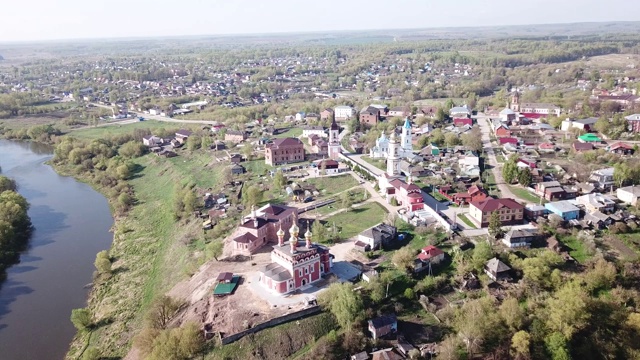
x,y
34,20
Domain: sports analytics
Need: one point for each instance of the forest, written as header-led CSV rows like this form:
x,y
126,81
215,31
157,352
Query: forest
x,y
15,224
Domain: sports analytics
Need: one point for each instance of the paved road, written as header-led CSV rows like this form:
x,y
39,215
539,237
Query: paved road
x,y
485,128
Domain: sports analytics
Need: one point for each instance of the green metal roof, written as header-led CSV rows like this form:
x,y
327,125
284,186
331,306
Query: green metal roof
x,y
226,288
590,138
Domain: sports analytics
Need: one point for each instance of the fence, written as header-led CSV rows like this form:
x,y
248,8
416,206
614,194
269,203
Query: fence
x,y
271,323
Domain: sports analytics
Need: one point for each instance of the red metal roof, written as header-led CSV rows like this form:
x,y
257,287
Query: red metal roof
x,y
429,252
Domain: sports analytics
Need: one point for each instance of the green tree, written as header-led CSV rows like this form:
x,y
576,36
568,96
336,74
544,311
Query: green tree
x,y
214,249
473,140
403,258
344,303
161,312
621,174
7,184
132,149
279,181
81,319
252,196
437,137
557,347
602,125
481,254
320,233
512,314
451,139
190,201
441,115
495,225
91,354
510,170
568,310
520,344
194,142
345,200
524,177
103,263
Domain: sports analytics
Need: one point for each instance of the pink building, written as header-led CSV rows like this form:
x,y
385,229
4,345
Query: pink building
x,y
295,265
407,195
261,226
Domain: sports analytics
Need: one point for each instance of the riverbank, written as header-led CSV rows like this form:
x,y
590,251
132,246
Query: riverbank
x,y
150,252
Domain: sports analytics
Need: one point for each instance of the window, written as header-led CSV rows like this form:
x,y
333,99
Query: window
x,y
306,270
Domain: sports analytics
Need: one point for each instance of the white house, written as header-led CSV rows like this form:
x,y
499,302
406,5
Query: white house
x,y
300,116
540,108
459,111
307,131
344,112
629,194
582,124
152,140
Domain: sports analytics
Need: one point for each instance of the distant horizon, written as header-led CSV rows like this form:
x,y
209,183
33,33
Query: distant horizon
x,y
302,32
44,21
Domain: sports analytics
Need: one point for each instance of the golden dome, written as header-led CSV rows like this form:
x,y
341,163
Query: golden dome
x,y
280,232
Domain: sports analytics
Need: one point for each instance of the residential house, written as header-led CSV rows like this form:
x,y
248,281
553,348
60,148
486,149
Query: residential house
x,y
552,191
462,121
235,158
152,140
629,195
320,146
566,210
539,108
598,220
510,211
235,136
533,212
400,111
507,115
326,114
386,354
589,138
474,194
621,148
237,169
312,117
502,131
634,123
603,178
427,111
429,256
300,116
370,115
583,124
546,147
517,238
459,112
342,113
360,356
408,195
307,131
284,151
578,146
508,140
329,166
182,135
378,236
383,326
496,269
596,202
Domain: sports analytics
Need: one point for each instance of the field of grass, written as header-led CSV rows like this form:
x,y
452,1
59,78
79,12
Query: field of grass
x,y
106,131
291,132
524,194
380,164
490,183
578,251
329,185
466,220
356,220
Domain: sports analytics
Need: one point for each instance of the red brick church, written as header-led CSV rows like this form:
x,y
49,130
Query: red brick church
x,y
295,265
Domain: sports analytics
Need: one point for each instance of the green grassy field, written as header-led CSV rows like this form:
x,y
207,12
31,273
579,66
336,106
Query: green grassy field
x,y
525,194
106,131
292,132
578,251
356,220
329,185
380,164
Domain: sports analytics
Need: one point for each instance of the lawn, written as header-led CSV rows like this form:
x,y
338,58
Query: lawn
x,y
499,157
380,164
524,194
490,183
291,132
466,220
353,222
578,251
107,131
329,185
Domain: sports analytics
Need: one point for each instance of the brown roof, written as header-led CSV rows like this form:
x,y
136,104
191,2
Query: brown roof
x,y
245,238
578,146
225,277
397,183
495,204
285,142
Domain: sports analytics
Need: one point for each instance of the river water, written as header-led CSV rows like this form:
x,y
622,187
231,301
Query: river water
x,y
72,224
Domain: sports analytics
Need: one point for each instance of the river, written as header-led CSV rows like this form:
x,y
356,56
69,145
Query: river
x,y
72,223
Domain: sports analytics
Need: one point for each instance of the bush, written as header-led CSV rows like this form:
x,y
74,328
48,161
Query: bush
x,y
81,319
619,228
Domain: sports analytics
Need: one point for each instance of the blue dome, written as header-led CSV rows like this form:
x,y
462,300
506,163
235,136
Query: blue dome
x,y
407,123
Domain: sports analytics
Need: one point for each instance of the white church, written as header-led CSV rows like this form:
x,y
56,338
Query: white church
x,y
381,150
